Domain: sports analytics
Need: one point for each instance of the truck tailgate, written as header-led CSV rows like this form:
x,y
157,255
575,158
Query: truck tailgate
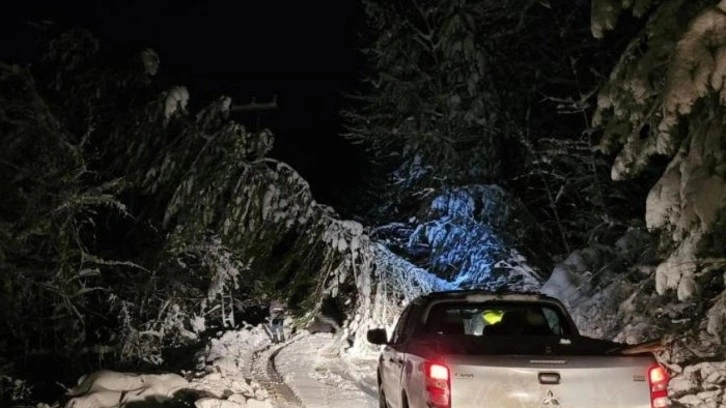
x,y
549,381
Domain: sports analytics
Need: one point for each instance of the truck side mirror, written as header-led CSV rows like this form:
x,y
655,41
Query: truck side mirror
x,y
377,336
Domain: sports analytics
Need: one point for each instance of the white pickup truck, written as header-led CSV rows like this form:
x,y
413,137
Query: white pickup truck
x,y
475,349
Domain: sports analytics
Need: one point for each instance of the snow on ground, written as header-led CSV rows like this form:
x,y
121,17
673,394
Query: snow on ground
x,y
238,346
312,367
308,370
242,368
225,377
362,369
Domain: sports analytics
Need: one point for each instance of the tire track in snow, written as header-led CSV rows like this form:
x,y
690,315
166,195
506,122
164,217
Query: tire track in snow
x,y
265,372
320,378
275,376
360,383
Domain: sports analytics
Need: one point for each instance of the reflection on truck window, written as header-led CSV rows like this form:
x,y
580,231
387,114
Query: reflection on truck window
x,y
494,319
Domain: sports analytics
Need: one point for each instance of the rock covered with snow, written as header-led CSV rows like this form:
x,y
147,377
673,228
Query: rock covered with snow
x,y
228,353
217,403
106,389
596,282
224,386
224,380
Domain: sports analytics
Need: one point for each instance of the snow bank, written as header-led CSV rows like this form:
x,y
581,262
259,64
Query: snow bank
x,y
233,349
222,379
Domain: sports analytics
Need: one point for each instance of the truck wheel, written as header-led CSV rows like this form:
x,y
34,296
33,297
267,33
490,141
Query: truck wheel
x,y
381,396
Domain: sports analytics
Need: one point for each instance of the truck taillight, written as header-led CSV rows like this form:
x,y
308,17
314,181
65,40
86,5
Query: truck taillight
x,y
438,385
658,381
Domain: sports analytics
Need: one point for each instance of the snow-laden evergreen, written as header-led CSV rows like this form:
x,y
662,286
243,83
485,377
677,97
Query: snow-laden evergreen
x,y
663,101
461,230
679,117
211,225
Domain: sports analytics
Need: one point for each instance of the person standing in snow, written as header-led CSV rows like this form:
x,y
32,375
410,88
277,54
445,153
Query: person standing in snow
x,y
277,318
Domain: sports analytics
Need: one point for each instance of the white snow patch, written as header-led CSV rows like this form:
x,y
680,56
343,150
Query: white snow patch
x,y
177,99
224,379
319,377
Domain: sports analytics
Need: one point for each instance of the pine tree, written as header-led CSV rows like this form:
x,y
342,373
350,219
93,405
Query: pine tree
x,y
664,100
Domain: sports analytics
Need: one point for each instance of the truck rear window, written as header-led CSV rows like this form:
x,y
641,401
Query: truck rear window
x,y
495,319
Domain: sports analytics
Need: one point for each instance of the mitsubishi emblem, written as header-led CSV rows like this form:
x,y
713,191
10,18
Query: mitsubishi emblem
x,y
550,399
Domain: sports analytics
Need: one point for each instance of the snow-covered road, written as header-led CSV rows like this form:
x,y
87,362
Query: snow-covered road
x,y
322,379
241,368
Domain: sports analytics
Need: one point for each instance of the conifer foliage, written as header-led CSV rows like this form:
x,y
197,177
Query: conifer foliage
x,y
130,224
432,112
488,92
664,100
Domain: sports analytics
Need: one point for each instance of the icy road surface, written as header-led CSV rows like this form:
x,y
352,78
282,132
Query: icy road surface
x,y
321,379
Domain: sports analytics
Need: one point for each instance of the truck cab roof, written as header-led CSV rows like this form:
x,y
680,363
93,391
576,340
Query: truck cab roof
x,y
479,295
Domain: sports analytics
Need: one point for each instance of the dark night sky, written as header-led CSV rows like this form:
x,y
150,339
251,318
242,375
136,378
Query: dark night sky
x,y
305,52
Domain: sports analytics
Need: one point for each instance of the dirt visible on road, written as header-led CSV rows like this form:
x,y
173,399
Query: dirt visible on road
x,y
265,372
